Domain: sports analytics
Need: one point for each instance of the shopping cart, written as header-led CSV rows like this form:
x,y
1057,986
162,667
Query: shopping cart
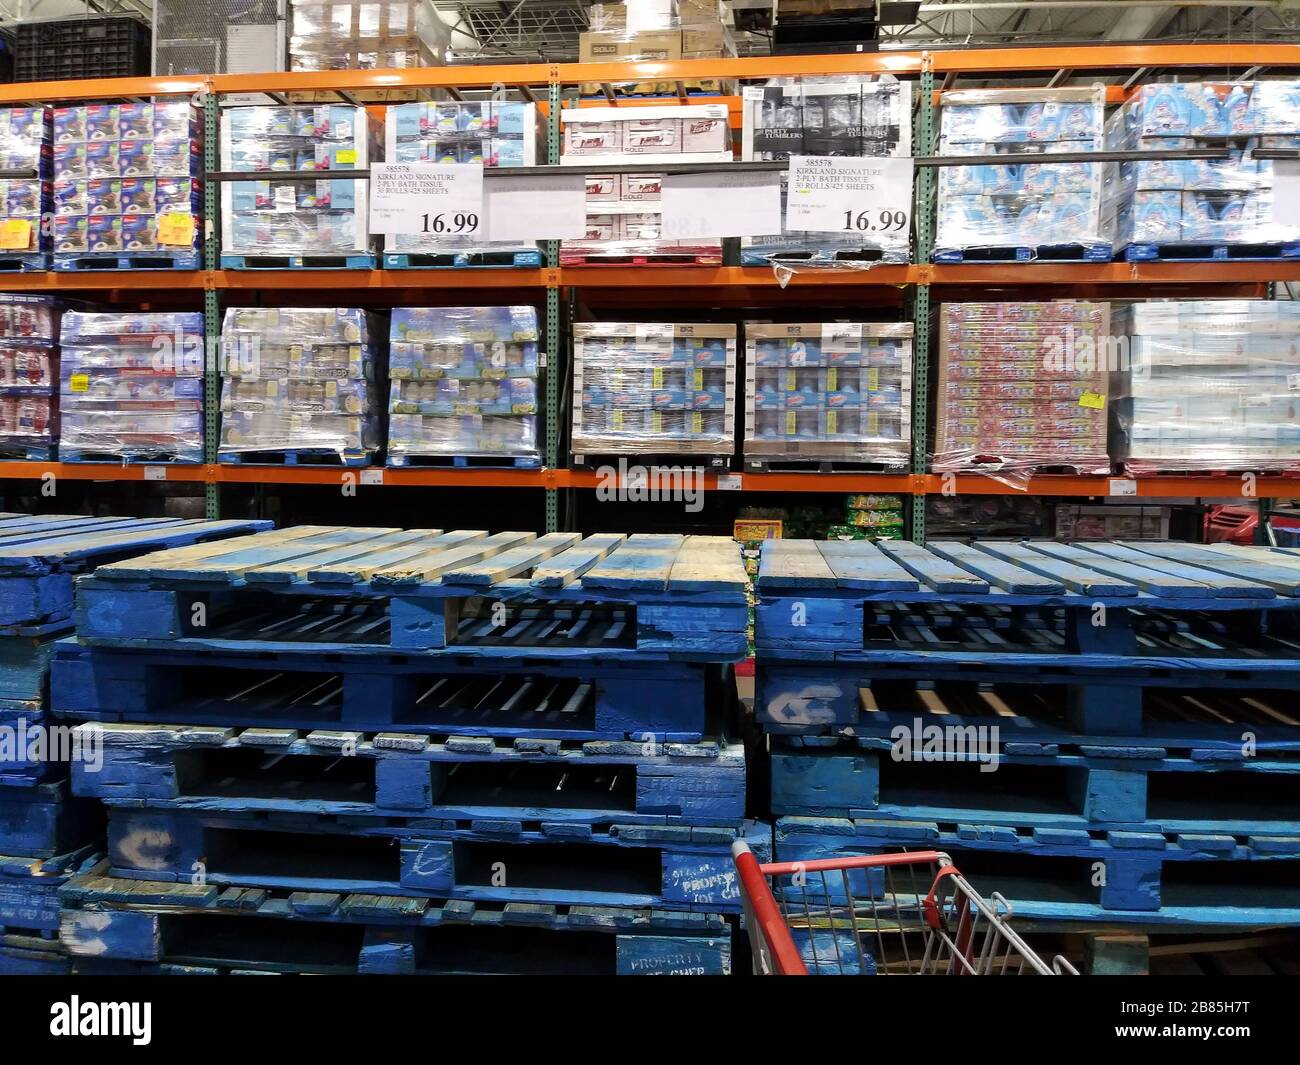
x,y
908,913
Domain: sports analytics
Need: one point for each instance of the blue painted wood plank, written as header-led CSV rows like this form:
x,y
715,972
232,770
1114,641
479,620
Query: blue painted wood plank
x,y
709,564
433,564
512,563
324,556
862,566
569,565
1002,574
363,568
795,564
933,569
1150,579
141,568
1077,578
1221,585
644,562
1282,579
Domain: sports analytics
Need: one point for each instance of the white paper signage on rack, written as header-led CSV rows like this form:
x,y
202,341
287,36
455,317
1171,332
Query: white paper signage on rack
x,y
719,204
537,207
439,199
830,194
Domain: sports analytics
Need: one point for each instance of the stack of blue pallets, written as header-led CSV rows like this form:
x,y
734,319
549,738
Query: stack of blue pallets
x,y
45,835
377,750
1106,733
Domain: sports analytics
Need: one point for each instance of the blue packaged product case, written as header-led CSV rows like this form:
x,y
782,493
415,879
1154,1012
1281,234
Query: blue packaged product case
x,y
25,144
836,391
654,387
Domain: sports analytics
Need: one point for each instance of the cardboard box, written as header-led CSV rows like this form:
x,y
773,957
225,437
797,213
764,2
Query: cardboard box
x,y
652,136
650,14
603,187
639,187
705,135
655,44
707,37
602,47
593,138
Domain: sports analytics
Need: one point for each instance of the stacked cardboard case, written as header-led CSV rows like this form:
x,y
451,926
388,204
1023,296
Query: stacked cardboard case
x,y
25,202
624,212
657,30
298,381
131,387
492,132
653,388
1210,385
1023,386
841,116
366,35
463,385
270,217
1027,203
127,182
29,376
828,392
1228,200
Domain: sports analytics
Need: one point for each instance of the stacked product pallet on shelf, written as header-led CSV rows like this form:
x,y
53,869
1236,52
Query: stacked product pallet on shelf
x,y
834,395
961,697
1210,385
649,30
624,211
1023,387
29,376
25,146
276,222
492,132
463,387
840,116
365,35
1216,208
654,390
131,387
467,752
126,186
46,836
870,517
1028,208
299,386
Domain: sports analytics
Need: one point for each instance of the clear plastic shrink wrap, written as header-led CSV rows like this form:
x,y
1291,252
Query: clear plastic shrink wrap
x,y
1023,387
660,388
835,392
1025,203
463,384
1212,385
270,217
131,386
298,380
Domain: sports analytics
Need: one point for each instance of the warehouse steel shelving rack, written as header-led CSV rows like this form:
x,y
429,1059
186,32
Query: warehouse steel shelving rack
x,y
921,281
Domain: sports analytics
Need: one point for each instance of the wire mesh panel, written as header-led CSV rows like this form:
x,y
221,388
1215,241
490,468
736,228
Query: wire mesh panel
x,y
218,37
900,914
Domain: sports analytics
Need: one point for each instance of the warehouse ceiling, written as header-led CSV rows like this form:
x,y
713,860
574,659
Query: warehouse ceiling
x,y
548,29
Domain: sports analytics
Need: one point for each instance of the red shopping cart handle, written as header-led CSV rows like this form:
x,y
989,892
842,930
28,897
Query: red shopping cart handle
x,y
862,861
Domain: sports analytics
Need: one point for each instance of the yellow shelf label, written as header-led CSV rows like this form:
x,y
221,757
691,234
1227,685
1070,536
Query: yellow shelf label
x,y
176,229
16,234
79,382
1092,400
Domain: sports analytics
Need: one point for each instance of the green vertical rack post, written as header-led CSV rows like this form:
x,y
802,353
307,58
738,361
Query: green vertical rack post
x,y
211,305
555,361
923,144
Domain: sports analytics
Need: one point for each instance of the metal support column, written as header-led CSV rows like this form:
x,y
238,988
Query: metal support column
x,y
923,215
211,304
555,357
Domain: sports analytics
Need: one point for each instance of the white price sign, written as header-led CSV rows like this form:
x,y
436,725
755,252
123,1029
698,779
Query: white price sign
x,y
830,194
720,205
1286,192
441,199
537,207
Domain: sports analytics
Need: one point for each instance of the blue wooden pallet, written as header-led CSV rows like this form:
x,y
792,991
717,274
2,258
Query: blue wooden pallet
x,y
138,260
113,925
533,696
42,820
1203,251
675,867
34,261
354,261
809,255
24,955
465,462
948,777
1090,252
524,258
10,452
294,457
1071,874
504,596
29,892
151,456
399,775
40,555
